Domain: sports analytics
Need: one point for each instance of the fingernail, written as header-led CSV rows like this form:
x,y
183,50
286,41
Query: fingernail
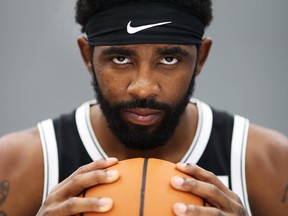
x,y
185,165
105,204
180,208
112,173
111,159
177,181
181,165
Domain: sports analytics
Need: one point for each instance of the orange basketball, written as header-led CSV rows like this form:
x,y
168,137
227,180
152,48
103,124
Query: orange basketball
x,y
143,189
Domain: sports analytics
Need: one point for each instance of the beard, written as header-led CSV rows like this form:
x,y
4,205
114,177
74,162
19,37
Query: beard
x,y
140,137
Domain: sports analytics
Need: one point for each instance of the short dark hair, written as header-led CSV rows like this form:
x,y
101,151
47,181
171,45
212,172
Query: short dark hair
x,y
85,8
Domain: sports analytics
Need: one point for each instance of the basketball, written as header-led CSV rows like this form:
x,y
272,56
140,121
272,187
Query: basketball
x,y
143,189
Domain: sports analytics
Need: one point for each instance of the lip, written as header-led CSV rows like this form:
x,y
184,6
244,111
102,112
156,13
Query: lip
x,y
143,116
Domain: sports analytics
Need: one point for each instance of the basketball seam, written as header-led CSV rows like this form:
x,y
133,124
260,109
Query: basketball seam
x,y
143,186
204,202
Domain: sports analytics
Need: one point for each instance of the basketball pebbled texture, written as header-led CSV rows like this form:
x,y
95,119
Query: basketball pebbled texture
x,y
143,189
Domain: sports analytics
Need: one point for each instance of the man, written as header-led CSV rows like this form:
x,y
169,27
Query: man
x,y
143,57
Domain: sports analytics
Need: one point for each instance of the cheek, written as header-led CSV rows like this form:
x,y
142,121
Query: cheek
x,y
112,86
176,87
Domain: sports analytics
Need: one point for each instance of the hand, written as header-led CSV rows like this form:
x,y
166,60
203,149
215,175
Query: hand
x,y
64,198
206,185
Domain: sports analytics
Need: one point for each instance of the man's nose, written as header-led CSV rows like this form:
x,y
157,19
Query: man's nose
x,y
144,83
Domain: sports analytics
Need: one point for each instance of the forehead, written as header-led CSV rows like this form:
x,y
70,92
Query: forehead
x,y
147,48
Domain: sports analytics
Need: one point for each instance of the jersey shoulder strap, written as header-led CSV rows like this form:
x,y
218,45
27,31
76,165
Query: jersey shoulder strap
x,y
238,159
50,155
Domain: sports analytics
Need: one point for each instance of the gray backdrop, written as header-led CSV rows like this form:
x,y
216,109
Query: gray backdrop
x,y
42,74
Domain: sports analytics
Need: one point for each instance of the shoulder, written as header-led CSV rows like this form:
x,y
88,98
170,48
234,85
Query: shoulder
x,y
270,142
267,174
266,145
20,145
21,171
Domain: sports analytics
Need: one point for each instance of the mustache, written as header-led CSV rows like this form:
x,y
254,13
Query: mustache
x,y
143,103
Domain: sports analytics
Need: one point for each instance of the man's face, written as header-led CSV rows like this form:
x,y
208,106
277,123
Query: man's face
x,y
143,90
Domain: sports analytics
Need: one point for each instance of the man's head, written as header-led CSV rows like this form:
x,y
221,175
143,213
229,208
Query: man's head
x,y
143,81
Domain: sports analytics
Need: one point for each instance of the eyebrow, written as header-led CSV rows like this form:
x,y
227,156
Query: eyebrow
x,y
118,51
164,51
172,51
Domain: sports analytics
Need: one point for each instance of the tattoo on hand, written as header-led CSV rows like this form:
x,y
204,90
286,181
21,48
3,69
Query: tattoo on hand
x,y
4,189
285,194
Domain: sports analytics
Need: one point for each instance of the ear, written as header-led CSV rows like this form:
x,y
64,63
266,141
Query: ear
x,y
85,52
203,53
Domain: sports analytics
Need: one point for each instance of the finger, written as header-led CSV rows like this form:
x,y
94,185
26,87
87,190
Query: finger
x,y
76,205
205,190
98,164
209,177
82,181
209,192
182,209
204,175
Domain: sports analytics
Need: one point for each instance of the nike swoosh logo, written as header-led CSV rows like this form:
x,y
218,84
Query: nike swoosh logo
x,y
133,30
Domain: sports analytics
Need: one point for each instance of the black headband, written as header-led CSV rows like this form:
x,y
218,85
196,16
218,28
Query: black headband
x,y
144,23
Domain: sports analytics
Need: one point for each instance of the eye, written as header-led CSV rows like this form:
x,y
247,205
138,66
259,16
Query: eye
x,y
121,60
169,60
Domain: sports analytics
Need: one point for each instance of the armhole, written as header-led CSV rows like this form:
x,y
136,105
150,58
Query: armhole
x,y
238,159
50,155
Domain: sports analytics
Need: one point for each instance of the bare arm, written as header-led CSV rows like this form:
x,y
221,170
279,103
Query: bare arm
x,y
267,172
21,173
